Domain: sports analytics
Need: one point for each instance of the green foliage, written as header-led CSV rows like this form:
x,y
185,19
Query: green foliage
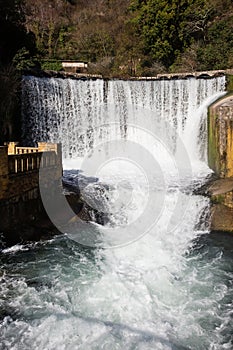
x,y
186,34
16,48
119,37
218,51
161,24
218,199
95,46
230,83
9,103
51,65
23,60
13,32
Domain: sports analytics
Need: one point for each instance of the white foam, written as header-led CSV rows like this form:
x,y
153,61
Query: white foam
x,y
15,248
149,294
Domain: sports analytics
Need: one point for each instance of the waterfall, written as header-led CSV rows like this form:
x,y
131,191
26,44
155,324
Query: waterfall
x,y
144,139
164,283
82,114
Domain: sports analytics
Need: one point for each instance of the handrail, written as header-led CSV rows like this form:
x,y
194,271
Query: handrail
x,y
22,150
22,163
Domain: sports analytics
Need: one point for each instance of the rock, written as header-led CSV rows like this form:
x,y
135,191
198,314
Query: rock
x,y
220,192
221,218
221,186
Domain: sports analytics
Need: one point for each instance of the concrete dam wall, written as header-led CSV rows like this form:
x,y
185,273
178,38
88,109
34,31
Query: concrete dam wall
x,y
220,158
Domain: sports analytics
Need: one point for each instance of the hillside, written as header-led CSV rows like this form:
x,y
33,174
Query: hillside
x,y
134,37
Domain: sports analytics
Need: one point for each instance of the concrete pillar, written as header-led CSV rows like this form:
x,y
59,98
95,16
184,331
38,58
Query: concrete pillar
x,y
12,147
43,146
53,147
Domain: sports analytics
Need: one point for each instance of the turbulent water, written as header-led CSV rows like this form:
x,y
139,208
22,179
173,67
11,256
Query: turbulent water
x,y
152,277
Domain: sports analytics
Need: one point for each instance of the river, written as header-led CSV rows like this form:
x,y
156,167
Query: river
x,y
152,277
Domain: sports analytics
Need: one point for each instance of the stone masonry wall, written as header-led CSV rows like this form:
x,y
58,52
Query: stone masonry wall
x,y
220,156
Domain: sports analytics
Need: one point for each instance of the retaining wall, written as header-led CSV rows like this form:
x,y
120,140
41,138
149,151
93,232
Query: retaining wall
x,y
20,201
220,157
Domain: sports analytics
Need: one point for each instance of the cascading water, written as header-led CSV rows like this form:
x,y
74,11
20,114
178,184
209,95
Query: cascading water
x,y
167,285
79,113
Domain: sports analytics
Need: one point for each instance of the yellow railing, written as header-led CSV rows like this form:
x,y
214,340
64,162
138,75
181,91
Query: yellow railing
x,y
24,162
22,150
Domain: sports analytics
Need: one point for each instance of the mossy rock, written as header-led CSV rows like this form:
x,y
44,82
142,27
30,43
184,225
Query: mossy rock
x,y
229,83
218,199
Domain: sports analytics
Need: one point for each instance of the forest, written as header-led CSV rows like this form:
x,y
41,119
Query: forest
x,y
118,38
